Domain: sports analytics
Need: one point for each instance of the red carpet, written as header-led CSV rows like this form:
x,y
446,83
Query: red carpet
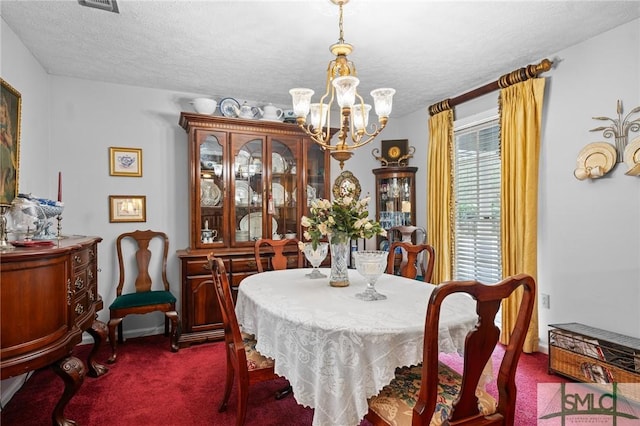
x,y
151,385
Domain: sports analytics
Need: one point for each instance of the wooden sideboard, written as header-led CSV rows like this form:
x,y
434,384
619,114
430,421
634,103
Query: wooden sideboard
x,y
48,298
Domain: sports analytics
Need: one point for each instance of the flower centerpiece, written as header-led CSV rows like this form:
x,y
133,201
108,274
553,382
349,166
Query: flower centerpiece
x,y
340,220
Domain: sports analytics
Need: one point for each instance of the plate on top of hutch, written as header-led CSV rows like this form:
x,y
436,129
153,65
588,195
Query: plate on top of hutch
x,y
229,107
252,222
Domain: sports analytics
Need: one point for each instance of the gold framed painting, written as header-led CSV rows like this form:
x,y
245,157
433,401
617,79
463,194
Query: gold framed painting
x,y
127,208
125,161
10,116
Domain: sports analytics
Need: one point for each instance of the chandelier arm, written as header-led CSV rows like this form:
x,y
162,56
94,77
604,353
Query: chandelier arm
x,y
370,137
319,136
376,129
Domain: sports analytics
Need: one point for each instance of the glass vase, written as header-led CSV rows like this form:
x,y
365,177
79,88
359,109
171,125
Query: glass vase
x,y
339,259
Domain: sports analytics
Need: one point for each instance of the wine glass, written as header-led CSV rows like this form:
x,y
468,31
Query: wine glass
x,y
371,265
315,257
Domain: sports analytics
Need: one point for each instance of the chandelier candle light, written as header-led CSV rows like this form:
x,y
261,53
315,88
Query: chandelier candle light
x,y
341,85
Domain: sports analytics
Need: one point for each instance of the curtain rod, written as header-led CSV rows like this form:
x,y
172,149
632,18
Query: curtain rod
x,y
506,80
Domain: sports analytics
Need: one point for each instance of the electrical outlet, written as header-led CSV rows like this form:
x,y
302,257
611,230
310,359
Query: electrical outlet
x,y
546,302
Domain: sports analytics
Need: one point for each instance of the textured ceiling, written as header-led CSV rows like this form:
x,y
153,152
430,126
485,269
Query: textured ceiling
x,y
258,50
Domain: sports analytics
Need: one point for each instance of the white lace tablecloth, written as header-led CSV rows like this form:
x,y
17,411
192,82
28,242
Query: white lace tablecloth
x,y
336,350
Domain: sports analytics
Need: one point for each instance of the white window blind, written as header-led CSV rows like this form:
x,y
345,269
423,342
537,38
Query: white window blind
x,y
477,203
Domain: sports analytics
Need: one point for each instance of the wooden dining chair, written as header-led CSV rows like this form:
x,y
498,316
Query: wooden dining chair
x,y
411,261
144,299
278,260
433,393
244,363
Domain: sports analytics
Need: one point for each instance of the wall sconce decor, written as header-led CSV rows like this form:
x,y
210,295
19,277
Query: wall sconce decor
x,y
619,128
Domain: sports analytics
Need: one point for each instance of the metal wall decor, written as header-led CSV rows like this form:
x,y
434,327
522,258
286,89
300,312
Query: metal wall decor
x,y
394,153
619,129
597,159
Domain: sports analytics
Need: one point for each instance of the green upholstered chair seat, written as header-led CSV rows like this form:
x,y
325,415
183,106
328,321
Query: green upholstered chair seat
x,y
255,360
395,401
142,299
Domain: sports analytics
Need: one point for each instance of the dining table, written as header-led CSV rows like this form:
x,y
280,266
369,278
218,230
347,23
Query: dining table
x,y
337,350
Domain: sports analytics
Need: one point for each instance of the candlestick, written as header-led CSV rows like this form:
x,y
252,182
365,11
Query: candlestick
x,y
59,186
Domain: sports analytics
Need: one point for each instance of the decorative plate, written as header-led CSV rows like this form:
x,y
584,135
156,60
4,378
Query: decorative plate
x,y
278,192
243,193
242,160
229,106
596,154
632,156
210,194
253,223
278,164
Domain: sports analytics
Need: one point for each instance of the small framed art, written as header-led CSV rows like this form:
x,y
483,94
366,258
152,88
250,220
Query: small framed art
x,y
125,161
127,208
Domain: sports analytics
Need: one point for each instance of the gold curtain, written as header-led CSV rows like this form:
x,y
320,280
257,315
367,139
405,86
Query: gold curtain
x,y
440,194
520,118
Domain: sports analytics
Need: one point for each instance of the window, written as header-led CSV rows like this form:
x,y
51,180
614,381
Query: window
x,y
477,202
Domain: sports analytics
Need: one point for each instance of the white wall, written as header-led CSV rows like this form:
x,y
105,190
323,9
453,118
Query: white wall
x,y
21,70
589,258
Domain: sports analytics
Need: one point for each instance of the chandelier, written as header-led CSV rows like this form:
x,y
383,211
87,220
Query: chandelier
x,y
341,85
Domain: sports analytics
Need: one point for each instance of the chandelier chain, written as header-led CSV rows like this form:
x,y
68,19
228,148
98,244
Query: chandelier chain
x,y
340,27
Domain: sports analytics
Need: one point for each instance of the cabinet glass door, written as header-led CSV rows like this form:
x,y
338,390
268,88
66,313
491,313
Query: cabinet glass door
x,y
283,203
247,189
211,190
315,186
395,201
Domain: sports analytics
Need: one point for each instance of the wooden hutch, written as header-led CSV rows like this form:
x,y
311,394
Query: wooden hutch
x,y
249,179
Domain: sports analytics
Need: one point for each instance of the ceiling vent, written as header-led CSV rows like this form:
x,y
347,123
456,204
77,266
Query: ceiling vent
x,y
108,5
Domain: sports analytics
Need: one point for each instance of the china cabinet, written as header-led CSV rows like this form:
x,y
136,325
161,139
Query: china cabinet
x,y
395,198
249,179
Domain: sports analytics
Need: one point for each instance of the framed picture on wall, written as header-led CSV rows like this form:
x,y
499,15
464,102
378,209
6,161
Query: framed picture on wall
x,y
10,110
127,208
125,161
